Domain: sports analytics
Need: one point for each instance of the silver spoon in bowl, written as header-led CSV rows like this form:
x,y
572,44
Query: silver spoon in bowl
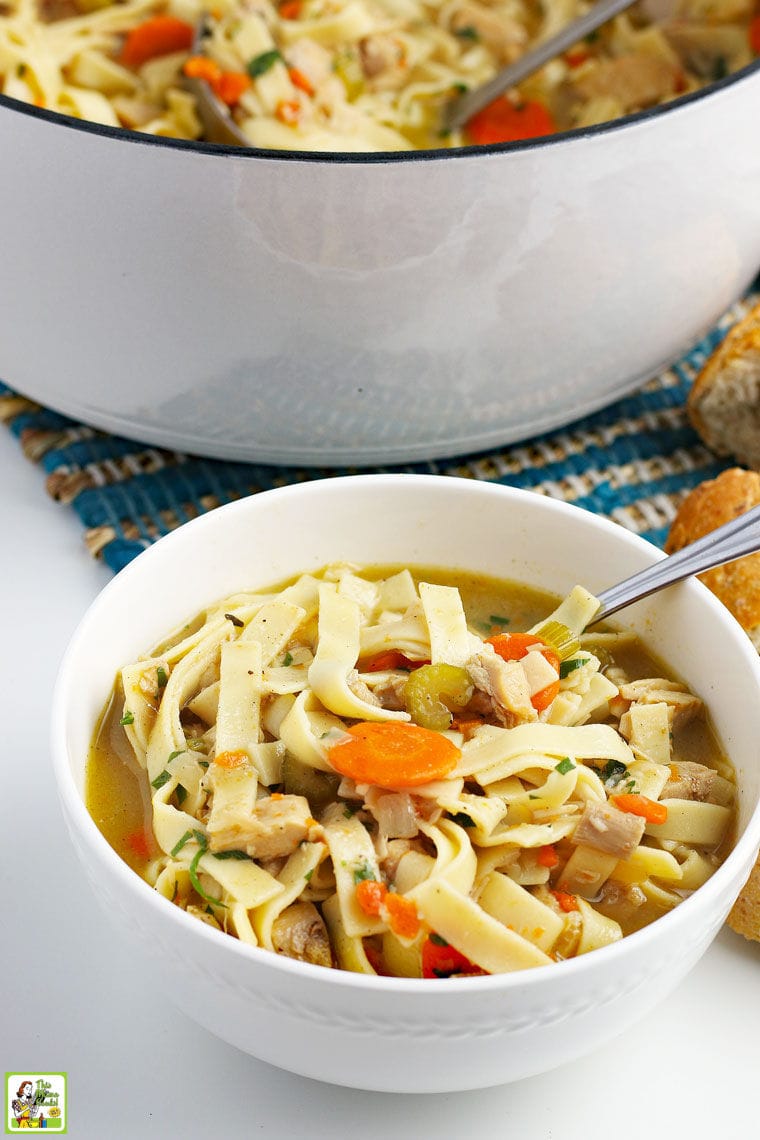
x,y
735,539
219,126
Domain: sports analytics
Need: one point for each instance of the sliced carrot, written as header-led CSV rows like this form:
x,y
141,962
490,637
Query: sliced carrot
x,y
230,760
370,895
288,111
440,960
301,81
754,34
402,915
567,902
139,844
201,67
515,646
651,810
547,856
290,9
574,58
231,85
159,35
502,121
393,755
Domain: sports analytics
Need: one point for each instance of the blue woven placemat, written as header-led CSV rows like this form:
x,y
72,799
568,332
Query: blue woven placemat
x,y
633,462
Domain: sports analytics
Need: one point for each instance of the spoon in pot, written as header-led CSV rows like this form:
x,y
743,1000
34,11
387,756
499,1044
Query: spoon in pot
x,y
219,126
733,540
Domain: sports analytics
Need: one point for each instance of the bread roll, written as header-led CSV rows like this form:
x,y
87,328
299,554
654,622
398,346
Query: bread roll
x,y
708,506
724,402
738,587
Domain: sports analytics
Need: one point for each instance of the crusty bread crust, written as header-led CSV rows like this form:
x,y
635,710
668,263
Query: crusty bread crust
x,y
724,402
744,916
708,506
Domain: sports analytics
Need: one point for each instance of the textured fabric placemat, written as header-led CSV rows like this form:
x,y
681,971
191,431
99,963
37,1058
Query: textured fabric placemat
x,y
633,462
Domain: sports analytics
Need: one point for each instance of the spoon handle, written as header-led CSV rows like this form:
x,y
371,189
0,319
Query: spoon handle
x,y
732,540
463,108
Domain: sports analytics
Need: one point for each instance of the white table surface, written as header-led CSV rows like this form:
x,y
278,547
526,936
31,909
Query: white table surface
x,y
74,1001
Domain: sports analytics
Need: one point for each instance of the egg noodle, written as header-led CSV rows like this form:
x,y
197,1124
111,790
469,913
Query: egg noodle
x,y
359,75
347,772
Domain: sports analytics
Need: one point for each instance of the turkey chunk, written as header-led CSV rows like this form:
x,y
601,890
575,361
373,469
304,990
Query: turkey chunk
x,y
505,683
607,829
691,781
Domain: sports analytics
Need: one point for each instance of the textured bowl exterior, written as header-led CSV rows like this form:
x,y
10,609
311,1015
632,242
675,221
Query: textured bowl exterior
x,y
403,1035
368,310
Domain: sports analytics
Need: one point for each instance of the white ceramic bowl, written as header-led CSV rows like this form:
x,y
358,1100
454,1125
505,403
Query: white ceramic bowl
x,y
344,309
401,1034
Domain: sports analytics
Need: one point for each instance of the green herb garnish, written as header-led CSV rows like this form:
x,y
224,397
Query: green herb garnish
x,y
288,658
468,32
436,939
181,794
234,854
174,755
498,619
308,875
128,718
463,819
362,872
261,63
571,665
203,763
192,870
161,779
181,843
613,772
565,765
161,676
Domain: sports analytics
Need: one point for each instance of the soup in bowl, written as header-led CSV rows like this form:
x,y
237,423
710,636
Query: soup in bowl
x,y
378,808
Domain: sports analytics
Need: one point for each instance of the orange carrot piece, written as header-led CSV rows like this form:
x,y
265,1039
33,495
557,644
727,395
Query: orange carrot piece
x,y
515,646
288,111
440,960
138,843
290,9
651,810
370,895
547,856
393,755
230,760
402,915
754,34
159,35
390,659
201,67
502,121
567,902
301,81
231,85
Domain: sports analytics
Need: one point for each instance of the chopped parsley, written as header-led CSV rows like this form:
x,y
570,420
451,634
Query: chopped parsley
x,y
362,872
128,718
181,793
192,870
349,811
436,939
613,772
161,779
234,854
288,658
203,763
565,765
463,819
262,63
496,619
570,665
308,875
468,32
181,843
174,755
162,677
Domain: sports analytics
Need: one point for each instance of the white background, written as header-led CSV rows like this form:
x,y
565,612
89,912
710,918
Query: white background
x,y
73,999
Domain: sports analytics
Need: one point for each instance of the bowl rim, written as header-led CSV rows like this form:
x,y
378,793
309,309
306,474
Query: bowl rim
x,y
345,158
79,819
